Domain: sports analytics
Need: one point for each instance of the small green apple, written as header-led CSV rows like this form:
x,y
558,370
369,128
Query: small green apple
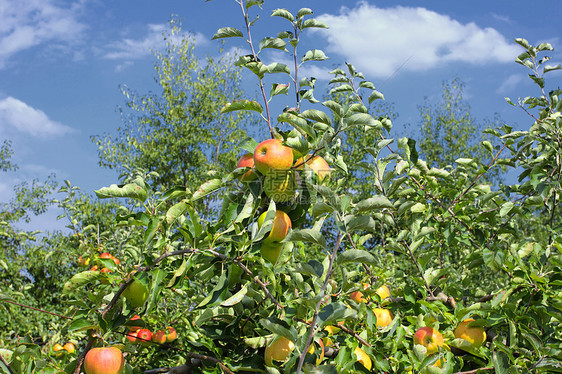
x,y
136,294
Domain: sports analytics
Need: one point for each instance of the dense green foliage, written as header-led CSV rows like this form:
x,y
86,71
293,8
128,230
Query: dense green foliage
x,y
449,244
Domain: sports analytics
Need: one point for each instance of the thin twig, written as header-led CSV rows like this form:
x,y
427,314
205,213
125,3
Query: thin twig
x,y
319,303
37,309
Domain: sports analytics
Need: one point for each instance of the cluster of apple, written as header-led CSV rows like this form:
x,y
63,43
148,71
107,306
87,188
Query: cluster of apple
x,y
106,255
432,339
145,337
277,164
60,350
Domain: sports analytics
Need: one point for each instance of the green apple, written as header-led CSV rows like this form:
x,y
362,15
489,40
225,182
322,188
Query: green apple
x,y
136,294
272,155
280,186
108,360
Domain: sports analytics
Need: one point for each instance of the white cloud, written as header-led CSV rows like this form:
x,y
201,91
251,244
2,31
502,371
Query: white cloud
x,y
28,23
133,49
15,114
510,83
379,41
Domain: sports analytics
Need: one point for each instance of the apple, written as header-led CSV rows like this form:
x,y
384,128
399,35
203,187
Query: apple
x,y
383,292
281,225
320,167
106,255
430,338
278,350
105,270
69,347
280,186
136,294
136,317
474,335
357,296
108,360
271,251
363,358
247,161
384,317
272,155
94,268
132,336
159,337
144,336
58,350
171,334
311,350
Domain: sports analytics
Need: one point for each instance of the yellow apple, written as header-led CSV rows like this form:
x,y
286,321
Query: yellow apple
x,y
247,161
384,317
171,334
281,225
383,292
272,155
320,167
363,358
430,338
278,350
280,186
474,335
136,294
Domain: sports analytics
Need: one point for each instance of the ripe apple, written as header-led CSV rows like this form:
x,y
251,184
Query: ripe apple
x,y
278,350
247,161
159,337
357,296
132,336
383,292
363,358
69,347
58,350
430,338
136,317
144,336
136,294
106,255
320,167
474,335
271,155
280,228
271,251
108,360
171,334
280,186
384,317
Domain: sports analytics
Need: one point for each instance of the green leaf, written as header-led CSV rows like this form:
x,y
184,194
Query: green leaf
x,y
359,223
81,324
176,211
376,202
334,312
216,295
548,68
506,208
501,362
251,3
284,13
80,280
129,190
313,23
279,89
375,95
316,115
304,12
313,235
277,67
298,123
227,32
275,43
314,55
207,188
361,119
242,105
494,260
236,298
356,255
280,327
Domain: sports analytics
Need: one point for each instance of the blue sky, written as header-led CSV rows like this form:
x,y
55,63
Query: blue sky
x,y
62,62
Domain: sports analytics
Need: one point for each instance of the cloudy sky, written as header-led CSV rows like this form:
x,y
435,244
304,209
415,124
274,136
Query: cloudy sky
x,y
62,62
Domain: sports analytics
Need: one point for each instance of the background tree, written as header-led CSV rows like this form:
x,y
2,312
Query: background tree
x,y
178,133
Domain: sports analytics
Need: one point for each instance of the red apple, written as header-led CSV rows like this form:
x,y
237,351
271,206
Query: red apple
x,y
281,225
108,360
272,155
159,337
247,161
430,338
144,336
132,336
134,328
171,334
106,255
